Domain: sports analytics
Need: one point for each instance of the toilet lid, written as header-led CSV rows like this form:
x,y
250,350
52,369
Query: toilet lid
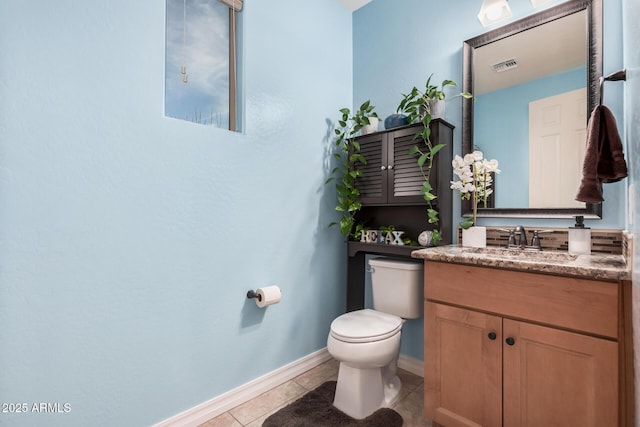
x,y
365,326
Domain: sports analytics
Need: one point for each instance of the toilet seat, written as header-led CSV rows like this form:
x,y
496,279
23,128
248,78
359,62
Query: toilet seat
x,y
365,326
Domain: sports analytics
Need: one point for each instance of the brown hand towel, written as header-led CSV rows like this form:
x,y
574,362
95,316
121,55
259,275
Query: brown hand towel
x,y
604,158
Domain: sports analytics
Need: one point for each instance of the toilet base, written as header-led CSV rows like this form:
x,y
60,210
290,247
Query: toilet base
x,y
360,392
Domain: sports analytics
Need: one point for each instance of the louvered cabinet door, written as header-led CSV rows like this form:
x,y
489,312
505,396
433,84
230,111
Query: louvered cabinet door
x,y
373,182
405,178
392,175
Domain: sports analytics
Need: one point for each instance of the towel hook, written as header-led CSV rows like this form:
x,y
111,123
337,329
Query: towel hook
x,y
618,75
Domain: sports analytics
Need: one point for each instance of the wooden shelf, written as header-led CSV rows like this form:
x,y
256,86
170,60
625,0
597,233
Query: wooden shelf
x,y
391,194
380,249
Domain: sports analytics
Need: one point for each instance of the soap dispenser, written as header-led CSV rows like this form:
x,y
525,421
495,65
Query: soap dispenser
x,y
579,238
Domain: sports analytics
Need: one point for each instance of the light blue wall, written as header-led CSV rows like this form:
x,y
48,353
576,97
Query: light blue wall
x,y
502,119
397,47
129,240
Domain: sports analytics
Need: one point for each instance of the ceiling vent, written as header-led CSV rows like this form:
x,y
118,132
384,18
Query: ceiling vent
x,y
505,65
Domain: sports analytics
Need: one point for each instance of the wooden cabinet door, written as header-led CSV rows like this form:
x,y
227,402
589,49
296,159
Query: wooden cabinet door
x,y
558,378
463,367
405,178
391,175
373,182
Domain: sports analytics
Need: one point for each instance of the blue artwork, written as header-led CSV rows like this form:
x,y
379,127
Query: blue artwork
x,y
197,62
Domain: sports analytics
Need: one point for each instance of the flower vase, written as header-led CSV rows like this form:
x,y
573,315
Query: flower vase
x,y
474,237
436,108
395,120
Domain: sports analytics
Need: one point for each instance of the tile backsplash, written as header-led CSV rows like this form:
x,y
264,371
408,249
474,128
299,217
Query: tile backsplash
x,y
602,241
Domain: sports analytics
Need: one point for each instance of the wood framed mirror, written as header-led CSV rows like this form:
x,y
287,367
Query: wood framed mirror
x,y
530,71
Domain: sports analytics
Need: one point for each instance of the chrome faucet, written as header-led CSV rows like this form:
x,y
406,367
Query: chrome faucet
x,y
520,237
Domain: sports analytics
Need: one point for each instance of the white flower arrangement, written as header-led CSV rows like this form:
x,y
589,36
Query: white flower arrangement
x,y
474,174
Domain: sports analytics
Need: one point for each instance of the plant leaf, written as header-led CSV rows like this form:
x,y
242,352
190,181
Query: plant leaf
x,y
436,148
429,197
467,223
436,237
422,159
414,150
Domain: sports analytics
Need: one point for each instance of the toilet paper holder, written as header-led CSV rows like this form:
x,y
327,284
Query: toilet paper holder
x,y
266,296
253,294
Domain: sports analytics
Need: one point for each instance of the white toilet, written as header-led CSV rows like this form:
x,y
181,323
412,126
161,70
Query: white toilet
x,y
367,342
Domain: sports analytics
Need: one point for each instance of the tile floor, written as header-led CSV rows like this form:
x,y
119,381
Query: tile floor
x,y
254,412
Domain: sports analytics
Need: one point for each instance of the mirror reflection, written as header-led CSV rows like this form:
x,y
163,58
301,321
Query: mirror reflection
x,y
533,91
531,104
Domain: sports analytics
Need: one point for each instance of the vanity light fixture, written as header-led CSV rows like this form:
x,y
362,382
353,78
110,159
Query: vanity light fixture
x,y
537,3
493,11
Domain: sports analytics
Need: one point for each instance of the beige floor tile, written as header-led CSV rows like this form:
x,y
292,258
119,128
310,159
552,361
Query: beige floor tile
x,y
267,402
258,421
254,412
224,420
412,409
409,381
326,371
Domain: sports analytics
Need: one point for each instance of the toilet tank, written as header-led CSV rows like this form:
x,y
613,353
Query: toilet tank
x,y
397,287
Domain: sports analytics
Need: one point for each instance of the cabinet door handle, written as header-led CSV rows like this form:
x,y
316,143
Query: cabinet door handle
x,y
390,167
492,336
510,341
383,167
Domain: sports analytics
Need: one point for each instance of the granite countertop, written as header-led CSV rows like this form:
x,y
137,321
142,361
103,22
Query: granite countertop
x,y
595,266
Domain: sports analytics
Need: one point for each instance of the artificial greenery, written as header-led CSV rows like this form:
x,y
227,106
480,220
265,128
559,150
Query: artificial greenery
x,y
426,155
416,105
346,174
360,230
386,230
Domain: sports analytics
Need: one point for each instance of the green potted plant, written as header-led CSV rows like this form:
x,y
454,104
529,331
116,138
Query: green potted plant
x,y
418,103
348,153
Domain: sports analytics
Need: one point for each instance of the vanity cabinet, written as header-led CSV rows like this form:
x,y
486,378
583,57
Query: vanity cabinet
x,y
511,348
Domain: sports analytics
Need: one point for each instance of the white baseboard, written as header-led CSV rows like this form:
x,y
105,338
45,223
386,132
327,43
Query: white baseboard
x,y
239,395
415,366
221,404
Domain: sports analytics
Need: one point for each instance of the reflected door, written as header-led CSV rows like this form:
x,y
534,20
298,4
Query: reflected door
x,y
557,131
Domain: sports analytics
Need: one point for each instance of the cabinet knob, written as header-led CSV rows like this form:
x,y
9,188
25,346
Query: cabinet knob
x,y
492,336
383,167
390,167
510,341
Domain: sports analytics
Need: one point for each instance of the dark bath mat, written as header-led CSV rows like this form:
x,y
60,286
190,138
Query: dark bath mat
x,y
315,409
